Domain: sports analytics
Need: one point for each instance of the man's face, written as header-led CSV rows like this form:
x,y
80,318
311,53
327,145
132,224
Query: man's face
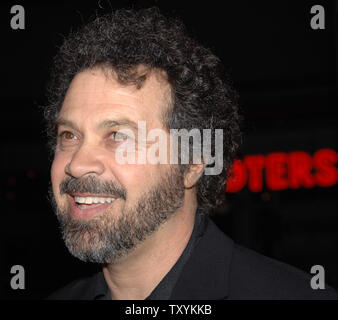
x,y
106,208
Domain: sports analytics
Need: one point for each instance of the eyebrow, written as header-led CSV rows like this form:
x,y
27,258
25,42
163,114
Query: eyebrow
x,y
106,124
64,122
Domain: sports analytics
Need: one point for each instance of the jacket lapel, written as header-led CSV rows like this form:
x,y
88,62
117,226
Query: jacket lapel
x,y
206,273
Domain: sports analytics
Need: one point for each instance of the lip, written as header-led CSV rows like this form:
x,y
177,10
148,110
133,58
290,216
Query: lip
x,y
98,195
88,213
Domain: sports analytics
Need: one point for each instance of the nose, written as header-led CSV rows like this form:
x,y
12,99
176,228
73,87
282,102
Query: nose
x,y
86,160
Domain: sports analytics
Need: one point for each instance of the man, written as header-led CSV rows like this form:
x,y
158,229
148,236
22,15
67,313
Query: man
x,y
146,221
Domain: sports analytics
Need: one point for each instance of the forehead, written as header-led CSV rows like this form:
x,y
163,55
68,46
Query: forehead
x,y
95,95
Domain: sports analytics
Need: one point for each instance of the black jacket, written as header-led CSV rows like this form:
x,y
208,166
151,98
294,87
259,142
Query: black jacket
x,y
219,269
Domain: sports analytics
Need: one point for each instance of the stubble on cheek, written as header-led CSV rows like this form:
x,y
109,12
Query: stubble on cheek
x,y
56,172
82,235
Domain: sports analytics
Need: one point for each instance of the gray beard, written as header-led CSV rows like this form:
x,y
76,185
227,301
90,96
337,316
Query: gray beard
x,y
106,238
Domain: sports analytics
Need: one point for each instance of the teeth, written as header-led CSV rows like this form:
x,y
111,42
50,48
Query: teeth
x,y
90,200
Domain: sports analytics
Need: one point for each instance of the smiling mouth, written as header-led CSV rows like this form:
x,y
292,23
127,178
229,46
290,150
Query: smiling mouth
x,y
90,204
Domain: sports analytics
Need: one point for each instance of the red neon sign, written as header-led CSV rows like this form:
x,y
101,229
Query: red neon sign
x,y
280,171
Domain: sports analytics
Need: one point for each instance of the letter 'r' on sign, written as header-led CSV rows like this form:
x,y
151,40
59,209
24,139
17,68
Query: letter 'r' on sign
x,y
18,20
318,20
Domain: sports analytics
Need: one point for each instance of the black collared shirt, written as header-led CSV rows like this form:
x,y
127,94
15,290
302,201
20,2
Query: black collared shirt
x,y
164,289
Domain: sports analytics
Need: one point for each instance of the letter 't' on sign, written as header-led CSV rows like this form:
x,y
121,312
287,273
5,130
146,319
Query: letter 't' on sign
x,y
18,280
318,20
318,280
18,20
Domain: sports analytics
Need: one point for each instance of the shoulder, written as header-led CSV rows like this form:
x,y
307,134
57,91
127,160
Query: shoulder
x,y
80,289
246,274
255,276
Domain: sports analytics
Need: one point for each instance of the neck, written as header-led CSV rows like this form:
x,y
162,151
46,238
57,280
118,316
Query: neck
x,y
135,276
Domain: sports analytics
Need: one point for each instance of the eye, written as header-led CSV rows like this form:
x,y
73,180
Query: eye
x,y
67,135
119,136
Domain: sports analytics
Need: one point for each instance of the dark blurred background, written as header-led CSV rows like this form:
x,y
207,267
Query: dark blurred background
x,y
286,75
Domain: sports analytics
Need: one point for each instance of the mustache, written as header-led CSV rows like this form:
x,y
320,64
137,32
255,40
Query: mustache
x,y
92,185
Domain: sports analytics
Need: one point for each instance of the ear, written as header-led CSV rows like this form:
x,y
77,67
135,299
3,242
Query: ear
x,y
192,174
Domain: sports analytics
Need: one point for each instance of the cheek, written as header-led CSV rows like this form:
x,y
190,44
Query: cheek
x,y
58,172
136,179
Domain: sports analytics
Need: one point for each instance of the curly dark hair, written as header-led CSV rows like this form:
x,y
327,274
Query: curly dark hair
x,y
202,97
